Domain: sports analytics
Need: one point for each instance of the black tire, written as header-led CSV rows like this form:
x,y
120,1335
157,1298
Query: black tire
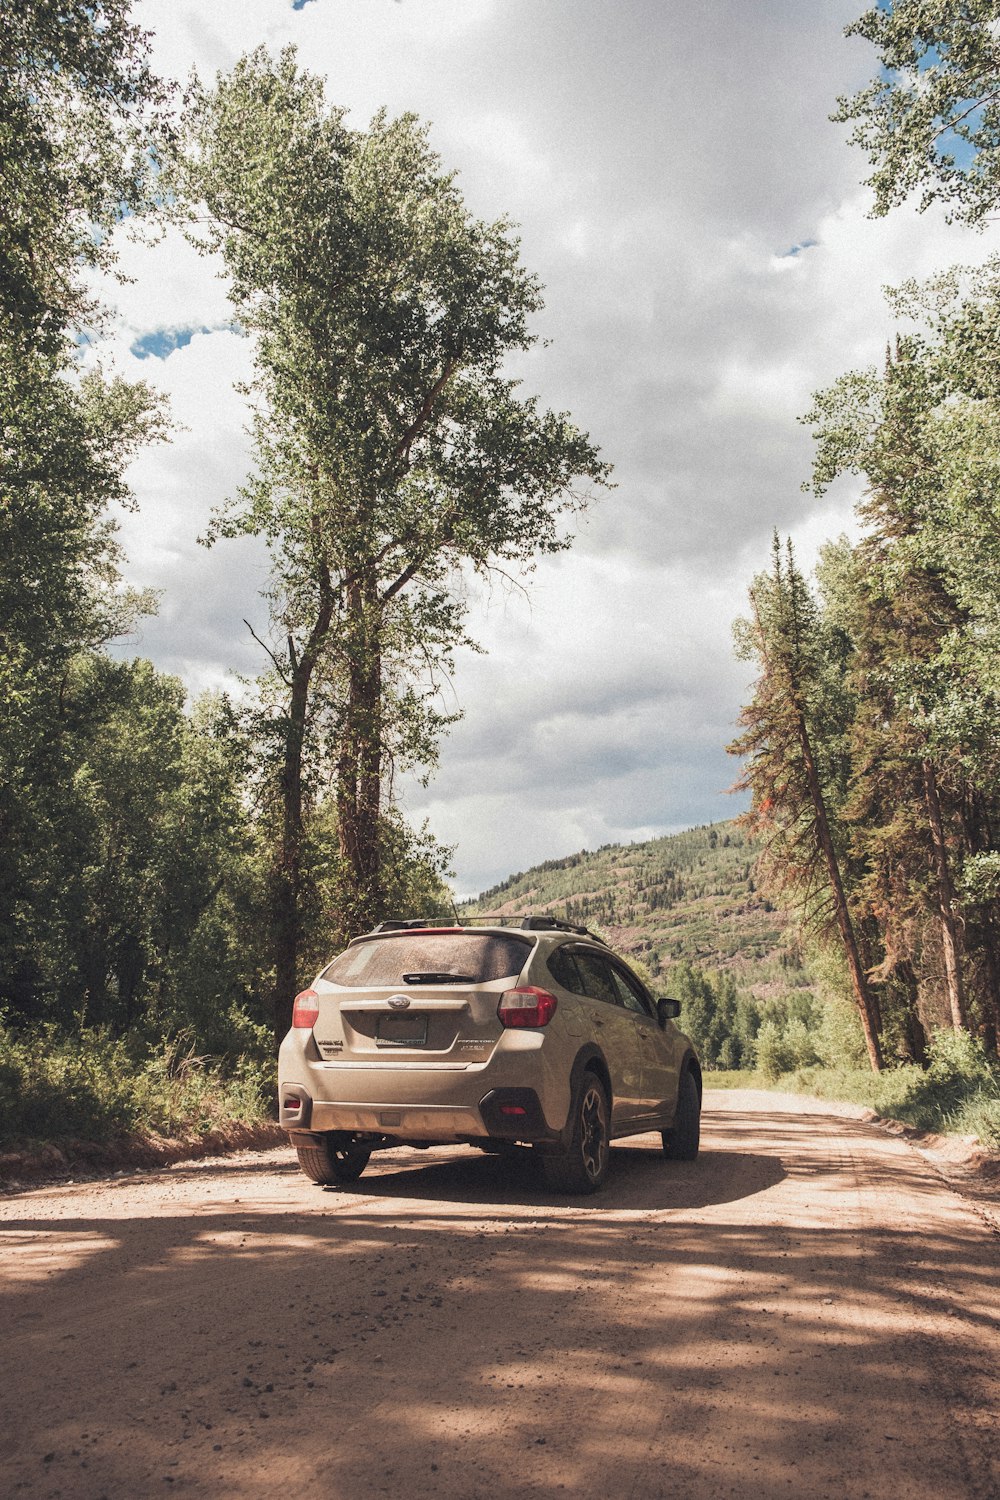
x,y
680,1142
341,1158
583,1165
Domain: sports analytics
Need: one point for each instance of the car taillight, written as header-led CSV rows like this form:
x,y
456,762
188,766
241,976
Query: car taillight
x,y
305,1009
528,1006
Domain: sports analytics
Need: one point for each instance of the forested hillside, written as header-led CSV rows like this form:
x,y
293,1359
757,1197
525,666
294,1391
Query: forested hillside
x,y
688,908
687,898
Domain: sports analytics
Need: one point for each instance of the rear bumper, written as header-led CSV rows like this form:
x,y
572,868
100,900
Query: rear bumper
x,y
508,1114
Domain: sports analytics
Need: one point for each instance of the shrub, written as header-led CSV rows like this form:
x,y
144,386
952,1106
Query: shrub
x,y
89,1086
772,1056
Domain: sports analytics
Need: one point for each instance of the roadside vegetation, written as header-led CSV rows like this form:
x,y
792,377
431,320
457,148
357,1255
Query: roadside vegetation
x,y
958,1093
92,1086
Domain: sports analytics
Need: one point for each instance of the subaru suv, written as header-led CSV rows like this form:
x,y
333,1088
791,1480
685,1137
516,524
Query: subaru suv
x,y
521,1031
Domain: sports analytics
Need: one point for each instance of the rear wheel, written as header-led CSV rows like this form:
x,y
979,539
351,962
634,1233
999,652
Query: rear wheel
x,y
340,1158
680,1142
583,1165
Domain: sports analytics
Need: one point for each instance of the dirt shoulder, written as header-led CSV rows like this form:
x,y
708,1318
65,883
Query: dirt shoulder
x,y
808,1310
33,1165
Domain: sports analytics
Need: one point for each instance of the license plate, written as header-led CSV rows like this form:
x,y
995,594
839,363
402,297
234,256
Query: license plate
x,y
401,1031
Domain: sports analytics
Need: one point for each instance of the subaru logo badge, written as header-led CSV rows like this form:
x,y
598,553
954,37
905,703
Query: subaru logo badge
x,y
399,1002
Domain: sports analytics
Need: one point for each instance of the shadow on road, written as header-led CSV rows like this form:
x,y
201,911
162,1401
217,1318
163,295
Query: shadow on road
x,y
640,1178
448,1327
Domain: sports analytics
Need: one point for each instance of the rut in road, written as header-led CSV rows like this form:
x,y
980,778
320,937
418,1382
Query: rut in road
x,y
808,1310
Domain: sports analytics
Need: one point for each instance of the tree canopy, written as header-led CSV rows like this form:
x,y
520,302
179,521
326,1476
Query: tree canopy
x,y
80,111
930,121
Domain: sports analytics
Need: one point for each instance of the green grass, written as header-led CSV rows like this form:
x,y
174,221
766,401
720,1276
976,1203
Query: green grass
x,y
957,1094
90,1086
733,1079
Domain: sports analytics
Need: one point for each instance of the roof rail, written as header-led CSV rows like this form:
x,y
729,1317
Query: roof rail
x,y
403,924
527,922
546,923
538,921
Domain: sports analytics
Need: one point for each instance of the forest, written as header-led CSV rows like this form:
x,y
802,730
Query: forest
x,y
171,871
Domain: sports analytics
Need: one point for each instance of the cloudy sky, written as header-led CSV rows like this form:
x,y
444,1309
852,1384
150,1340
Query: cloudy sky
x,y
701,230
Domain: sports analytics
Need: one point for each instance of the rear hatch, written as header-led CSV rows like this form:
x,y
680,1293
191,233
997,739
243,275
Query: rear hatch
x,y
426,998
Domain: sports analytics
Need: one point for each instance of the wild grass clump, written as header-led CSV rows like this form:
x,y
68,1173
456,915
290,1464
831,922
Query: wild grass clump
x,y
57,1086
958,1093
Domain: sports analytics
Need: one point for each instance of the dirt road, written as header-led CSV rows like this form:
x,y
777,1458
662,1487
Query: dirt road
x,y
809,1310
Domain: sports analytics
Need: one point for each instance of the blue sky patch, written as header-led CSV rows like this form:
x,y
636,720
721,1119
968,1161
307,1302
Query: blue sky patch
x,y
798,249
163,341
300,4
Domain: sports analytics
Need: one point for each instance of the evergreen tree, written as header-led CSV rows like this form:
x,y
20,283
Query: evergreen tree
x,y
791,739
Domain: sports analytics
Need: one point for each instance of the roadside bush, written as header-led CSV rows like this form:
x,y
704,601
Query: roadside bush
x,y
799,1043
772,1056
838,1038
53,1086
56,1086
958,1092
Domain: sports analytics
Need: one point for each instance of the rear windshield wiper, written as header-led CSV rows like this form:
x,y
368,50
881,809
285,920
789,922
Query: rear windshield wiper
x,y
435,976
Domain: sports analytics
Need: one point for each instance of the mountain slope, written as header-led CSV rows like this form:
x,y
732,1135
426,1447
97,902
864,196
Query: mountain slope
x,y
685,898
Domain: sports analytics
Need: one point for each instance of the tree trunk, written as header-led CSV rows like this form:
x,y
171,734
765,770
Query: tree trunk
x,y
359,769
945,901
914,1037
991,1025
866,1003
287,874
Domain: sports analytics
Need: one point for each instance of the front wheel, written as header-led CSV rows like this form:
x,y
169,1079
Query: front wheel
x,y
340,1158
680,1142
583,1166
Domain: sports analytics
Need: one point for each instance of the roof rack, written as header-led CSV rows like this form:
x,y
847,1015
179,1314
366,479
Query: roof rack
x,y
528,922
403,924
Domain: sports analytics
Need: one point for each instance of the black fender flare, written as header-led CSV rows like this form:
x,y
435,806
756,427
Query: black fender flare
x,y
690,1064
589,1058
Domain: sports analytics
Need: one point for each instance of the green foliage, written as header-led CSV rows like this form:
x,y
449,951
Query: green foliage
x,y
687,897
931,119
917,602
958,1093
771,1056
797,763
80,112
721,1022
837,1038
125,904
88,1085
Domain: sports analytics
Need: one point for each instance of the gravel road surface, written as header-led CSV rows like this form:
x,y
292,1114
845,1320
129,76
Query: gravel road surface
x,y
810,1309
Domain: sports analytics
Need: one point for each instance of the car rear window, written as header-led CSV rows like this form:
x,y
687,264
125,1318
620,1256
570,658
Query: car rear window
x,y
478,956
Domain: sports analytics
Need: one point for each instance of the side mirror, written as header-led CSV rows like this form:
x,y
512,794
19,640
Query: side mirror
x,y
667,1010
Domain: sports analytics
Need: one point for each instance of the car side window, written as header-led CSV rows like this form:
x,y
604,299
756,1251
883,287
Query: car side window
x,y
595,973
632,996
563,969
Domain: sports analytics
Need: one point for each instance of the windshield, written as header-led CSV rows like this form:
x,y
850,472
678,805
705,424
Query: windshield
x,y
471,957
